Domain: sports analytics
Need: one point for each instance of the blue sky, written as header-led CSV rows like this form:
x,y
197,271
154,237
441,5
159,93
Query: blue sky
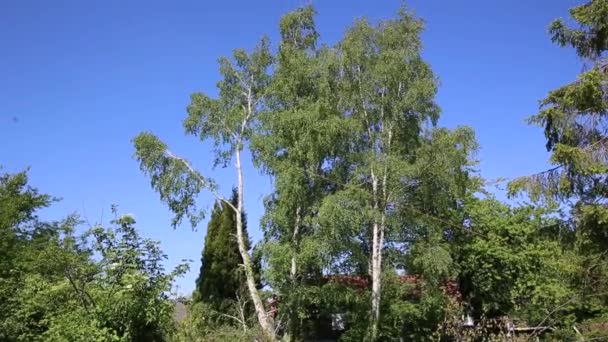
x,y
79,79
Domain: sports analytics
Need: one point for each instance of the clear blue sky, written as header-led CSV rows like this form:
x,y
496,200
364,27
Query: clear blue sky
x,y
79,79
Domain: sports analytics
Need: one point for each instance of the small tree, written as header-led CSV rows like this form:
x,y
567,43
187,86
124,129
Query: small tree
x,y
221,279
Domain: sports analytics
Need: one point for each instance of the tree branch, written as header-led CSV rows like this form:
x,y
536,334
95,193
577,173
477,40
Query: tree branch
x,y
197,175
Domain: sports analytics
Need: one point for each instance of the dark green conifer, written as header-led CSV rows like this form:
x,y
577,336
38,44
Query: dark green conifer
x,y
221,278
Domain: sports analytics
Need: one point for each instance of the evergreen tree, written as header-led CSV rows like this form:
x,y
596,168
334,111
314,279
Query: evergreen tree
x,y
576,130
220,281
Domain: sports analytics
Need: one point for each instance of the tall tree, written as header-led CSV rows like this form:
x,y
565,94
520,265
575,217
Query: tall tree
x,y
388,91
220,281
576,130
300,137
229,121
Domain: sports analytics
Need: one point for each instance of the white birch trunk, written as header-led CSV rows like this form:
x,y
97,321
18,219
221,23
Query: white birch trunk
x,y
265,321
376,263
295,237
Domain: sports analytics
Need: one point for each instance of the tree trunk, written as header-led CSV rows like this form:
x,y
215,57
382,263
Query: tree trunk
x,y
295,237
376,263
265,321
376,270
293,316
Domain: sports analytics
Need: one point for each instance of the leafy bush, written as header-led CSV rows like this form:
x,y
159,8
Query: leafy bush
x,y
107,284
203,323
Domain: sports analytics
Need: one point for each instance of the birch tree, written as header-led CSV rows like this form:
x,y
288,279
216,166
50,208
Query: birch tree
x,y
388,90
229,121
301,134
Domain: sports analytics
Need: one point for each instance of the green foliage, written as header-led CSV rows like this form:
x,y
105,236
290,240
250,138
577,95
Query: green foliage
x,y
516,262
227,121
299,138
177,184
591,38
431,260
573,116
365,187
138,306
337,118
19,202
221,279
204,323
18,205
103,285
411,310
388,95
574,121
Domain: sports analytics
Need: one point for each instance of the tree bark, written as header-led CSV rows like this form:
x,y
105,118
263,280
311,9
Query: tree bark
x,y
376,266
377,244
265,321
293,326
376,290
295,237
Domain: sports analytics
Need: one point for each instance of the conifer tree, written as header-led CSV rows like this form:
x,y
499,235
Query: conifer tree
x,y
576,130
220,281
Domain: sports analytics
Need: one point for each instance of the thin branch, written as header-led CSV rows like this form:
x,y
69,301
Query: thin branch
x,y
588,147
238,76
241,309
248,111
538,329
238,320
84,299
203,182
